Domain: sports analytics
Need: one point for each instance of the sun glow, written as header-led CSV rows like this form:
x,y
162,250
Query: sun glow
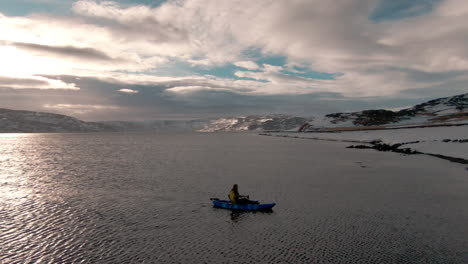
x,y
20,65
16,62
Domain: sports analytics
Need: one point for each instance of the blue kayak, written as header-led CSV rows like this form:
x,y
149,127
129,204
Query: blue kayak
x,y
250,207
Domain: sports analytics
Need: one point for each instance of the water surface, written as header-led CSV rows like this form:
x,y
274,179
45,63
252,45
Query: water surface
x,y
144,198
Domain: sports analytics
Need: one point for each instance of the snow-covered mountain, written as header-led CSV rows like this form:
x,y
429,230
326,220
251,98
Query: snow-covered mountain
x,y
452,109
439,111
254,122
13,121
239,123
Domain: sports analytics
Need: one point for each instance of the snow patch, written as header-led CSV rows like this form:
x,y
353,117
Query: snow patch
x,y
434,140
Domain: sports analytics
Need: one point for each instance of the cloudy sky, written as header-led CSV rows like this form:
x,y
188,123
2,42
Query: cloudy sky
x,y
186,59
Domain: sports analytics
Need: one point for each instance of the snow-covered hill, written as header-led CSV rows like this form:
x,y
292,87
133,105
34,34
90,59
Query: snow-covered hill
x,y
254,122
14,121
439,111
239,123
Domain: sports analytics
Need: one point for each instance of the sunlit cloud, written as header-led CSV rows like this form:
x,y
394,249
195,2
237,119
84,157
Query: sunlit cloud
x,y
128,91
250,65
193,89
34,82
81,108
224,47
143,38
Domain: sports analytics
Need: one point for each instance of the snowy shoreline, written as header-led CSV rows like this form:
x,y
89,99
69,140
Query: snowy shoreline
x,y
450,142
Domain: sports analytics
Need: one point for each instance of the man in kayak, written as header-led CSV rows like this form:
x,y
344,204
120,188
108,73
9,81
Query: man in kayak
x,y
236,198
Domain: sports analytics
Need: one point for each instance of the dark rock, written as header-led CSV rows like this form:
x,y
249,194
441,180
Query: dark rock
x,y
376,117
411,142
360,147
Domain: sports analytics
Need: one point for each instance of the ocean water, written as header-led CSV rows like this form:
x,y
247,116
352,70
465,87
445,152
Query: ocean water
x,y
144,198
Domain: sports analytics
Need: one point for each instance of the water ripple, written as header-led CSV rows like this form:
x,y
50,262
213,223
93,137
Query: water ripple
x,y
118,198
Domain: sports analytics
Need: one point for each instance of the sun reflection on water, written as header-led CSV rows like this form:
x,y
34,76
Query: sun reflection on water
x,y
16,152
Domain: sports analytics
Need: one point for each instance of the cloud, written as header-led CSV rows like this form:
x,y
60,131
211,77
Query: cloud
x,y
128,91
370,50
81,108
153,102
43,45
134,22
35,82
193,89
65,51
333,38
250,65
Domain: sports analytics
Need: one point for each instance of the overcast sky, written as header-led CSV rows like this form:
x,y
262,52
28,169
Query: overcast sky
x,y
186,59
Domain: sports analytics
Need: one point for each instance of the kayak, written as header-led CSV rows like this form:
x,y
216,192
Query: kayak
x,y
250,207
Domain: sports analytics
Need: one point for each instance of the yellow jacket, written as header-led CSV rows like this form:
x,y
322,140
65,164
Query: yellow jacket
x,y
233,196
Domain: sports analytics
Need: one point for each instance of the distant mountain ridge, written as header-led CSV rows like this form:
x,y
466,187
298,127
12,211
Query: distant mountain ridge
x,y
20,121
157,125
452,109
